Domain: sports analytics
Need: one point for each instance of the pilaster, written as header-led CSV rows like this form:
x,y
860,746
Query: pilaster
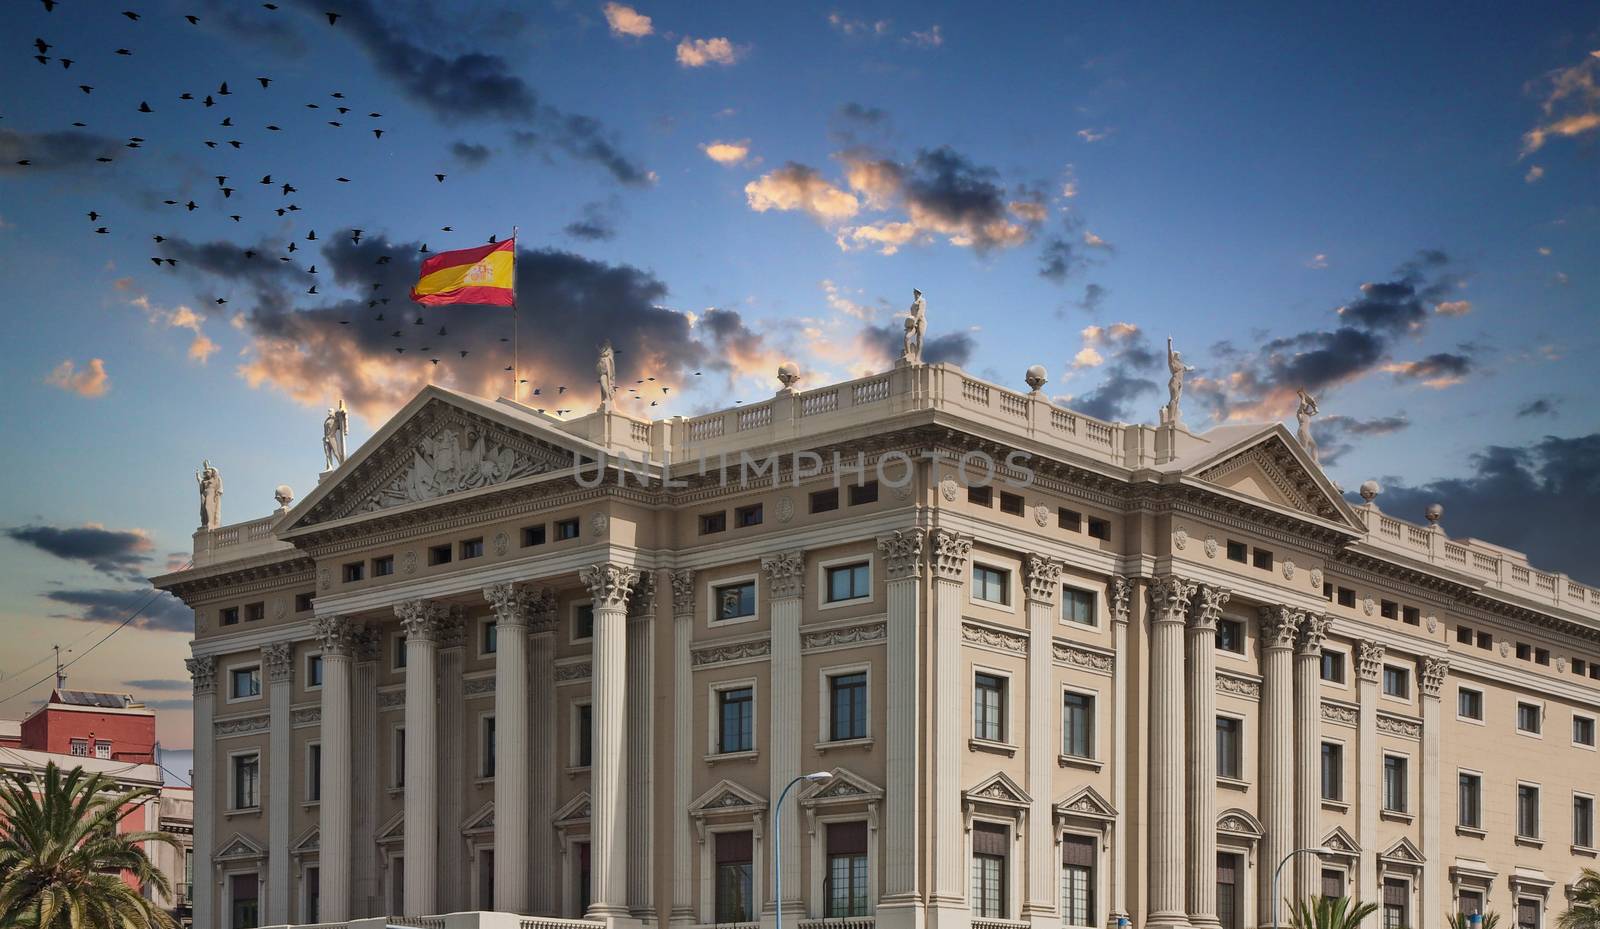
x,y
1204,611
1279,626
1169,610
1308,751
1120,598
785,581
901,905
609,584
421,619
1369,768
203,670
683,600
277,659
1431,673
1043,588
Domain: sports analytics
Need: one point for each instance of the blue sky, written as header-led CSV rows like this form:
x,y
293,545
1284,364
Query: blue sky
x,y
720,187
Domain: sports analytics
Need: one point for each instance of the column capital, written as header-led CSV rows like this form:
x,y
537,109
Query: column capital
x,y
1169,599
786,574
609,583
1313,629
1279,624
337,635
421,619
902,553
203,668
1043,577
683,592
1432,674
278,657
947,559
1206,607
542,611
1369,660
1121,591
510,603
642,602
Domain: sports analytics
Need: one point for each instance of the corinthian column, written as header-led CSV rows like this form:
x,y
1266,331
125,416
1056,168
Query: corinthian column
x,y
1043,577
541,696
202,894
452,729
1278,627
902,559
1369,767
641,735
1121,600
512,866
785,585
609,585
420,619
1169,608
338,638
1204,611
1308,751
682,750
278,659
1431,674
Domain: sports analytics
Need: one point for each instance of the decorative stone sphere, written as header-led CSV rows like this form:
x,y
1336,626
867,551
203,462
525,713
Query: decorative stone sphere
x,y
284,495
1433,512
1370,490
1036,377
788,375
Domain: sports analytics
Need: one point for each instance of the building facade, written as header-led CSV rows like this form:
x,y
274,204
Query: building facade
x,y
1060,672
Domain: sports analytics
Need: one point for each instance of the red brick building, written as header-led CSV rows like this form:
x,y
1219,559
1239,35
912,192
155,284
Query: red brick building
x,y
87,724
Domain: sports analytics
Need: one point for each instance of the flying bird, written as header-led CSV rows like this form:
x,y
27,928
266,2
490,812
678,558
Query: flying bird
x,y
66,62
103,159
337,95
226,121
223,91
312,290
93,216
227,192
273,128
159,238
101,231
210,144
312,237
234,142
355,236
42,45
186,96
332,18
49,5
144,107
335,125
193,20
266,179
447,229
42,59
287,188
377,133
313,270
124,51
264,81
220,301
342,180
85,88
190,205
221,179
131,15
439,178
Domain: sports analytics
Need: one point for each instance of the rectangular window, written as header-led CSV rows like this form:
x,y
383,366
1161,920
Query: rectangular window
x,y
313,772
1230,748
303,602
864,493
1332,883
1396,904
849,582
991,585
440,554
1077,606
246,781
566,529
1528,718
1261,558
1238,551
1078,880
713,522
1077,725
1469,704
1347,597
585,735
1527,913
1541,656
1230,870
1411,616
244,683
1469,800
399,652
486,748
1485,641
734,900
1578,667
229,616
1396,682
244,899
989,707
1333,666
1010,504
383,566
399,759
846,890
1583,731
990,843
1463,635
823,501
1069,519
1524,651
1469,902
254,612
1388,609
980,496
471,548
80,747
1528,811
735,601
1583,822
1100,529
490,638
736,720
1332,771
1394,783
313,671
354,571
582,622
532,535
102,750
847,706
1230,635
746,516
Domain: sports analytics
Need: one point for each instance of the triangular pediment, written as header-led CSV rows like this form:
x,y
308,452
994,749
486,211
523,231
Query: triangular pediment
x,y
844,787
575,810
239,847
480,821
998,788
1270,466
309,841
441,444
393,828
1086,801
727,797
1341,841
1403,852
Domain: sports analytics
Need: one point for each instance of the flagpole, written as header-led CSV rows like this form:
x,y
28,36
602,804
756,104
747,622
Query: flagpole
x,y
516,345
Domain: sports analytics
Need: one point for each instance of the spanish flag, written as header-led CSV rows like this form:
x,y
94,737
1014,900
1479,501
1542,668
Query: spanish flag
x,y
485,275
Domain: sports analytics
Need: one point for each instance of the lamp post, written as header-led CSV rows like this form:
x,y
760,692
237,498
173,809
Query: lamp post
x,y
1278,872
777,830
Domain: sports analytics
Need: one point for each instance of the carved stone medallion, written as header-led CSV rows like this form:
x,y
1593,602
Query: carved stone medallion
x,y
1211,546
322,579
408,563
785,509
1367,606
1316,578
1288,570
948,490
1180,539
1433,624
600,522
501,542
1505,649
1041,515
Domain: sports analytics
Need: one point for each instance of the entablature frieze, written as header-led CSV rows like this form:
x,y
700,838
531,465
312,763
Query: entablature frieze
x,y
200,587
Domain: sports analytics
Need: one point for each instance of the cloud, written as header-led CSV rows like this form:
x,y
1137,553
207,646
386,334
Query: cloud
x,y
1523,497
932,37
52,151
727,153
1093,296
1095,135
1438,371
1335,434
697,53
858,27
955,348
159,684
800,187
1570,108
1400,305
162,612
1059,258
842,304
1534,174
471,154
627,21
91,381
117,552
1090,240
1453,308
945,195
1122,350
596,223
1542,406
1318,262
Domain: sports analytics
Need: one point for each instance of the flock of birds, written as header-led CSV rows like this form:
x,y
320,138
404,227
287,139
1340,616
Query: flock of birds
x,y
423,344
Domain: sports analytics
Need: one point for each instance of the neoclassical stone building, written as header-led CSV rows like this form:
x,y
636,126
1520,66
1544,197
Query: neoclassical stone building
x,y
489,664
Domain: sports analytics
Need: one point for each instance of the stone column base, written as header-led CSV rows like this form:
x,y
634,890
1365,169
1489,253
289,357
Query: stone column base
x,y
946,915
903,914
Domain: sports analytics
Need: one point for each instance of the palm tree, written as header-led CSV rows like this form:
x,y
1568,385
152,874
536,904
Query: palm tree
x,y
62,859
1491,919
1329,913
1584,913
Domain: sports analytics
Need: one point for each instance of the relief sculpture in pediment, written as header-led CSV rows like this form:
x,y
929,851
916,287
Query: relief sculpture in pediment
x,y
452,460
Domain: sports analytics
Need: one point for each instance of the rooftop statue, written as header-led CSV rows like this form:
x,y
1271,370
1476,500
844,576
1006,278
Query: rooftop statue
x,y
1308,409
1170,413
334,428
606,369
210,481
916,326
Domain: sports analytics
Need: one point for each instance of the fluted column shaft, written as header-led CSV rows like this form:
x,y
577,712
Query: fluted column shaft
x,y
1308,752
1368,769
278,661
641,734
1121,597
512,864
1204,611
1169,607
609,585
544,761
1278,628
364,882
203,670
333,816
785,585
1431,674
683,600
1043,577
452,728
420,619
948,553
902,559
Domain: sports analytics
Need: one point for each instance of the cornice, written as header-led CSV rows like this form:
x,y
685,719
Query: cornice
x,y
251,575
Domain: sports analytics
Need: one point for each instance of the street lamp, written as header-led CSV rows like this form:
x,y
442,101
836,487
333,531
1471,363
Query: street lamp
x,y
1278,872
777,829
